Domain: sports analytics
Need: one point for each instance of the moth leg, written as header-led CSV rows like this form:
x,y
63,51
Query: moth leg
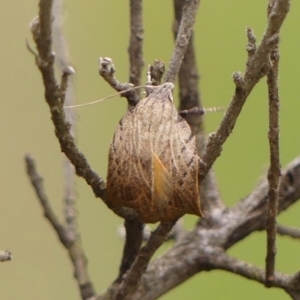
x,y
199,111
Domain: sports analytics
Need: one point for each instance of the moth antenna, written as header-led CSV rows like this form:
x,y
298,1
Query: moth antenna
x,y
108,97
149,81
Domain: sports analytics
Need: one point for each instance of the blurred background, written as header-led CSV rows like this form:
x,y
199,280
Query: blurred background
x,y
40,268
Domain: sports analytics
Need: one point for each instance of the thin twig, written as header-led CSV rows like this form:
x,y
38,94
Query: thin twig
x,y
37,183
133,242
255,70
75,250
289,231
185,30
139,266
133,275
223,261
274,169
107,70
135,48
177,232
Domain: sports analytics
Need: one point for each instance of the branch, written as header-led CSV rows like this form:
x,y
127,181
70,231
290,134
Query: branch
x,y
134,227
185,30
177,232
133,241
292,232
223,261
74,247
220,230
37,183
256,68
274,170
131,279
135,49
133,276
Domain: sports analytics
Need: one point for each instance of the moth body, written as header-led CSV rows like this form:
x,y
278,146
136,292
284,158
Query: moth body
x,y
153,162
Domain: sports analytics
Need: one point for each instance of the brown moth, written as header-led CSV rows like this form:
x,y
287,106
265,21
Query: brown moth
x,y
153,162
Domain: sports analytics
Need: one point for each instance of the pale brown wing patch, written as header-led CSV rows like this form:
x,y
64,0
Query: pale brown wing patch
x,y
162,183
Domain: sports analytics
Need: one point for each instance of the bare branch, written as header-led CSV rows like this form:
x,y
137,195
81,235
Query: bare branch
x,y
133,275
292,232
185,30
177,232
74,248
136,42
133,241
37,183
274,169
223,261
255,70
220,230
139,266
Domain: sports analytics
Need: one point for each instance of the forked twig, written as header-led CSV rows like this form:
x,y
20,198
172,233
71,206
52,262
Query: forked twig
x,y
256,68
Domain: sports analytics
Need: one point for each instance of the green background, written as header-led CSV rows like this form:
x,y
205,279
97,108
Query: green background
x,y
40,268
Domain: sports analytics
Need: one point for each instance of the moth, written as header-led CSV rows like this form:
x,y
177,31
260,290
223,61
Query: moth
x,y
153,162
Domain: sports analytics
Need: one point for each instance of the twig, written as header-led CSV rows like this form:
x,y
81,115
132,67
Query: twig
x,y
177,232
274,169
285,230
133,275
185,30
74,248
255,70
5,255
37,183
133,242
223,261
107,71
135,49
55,94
